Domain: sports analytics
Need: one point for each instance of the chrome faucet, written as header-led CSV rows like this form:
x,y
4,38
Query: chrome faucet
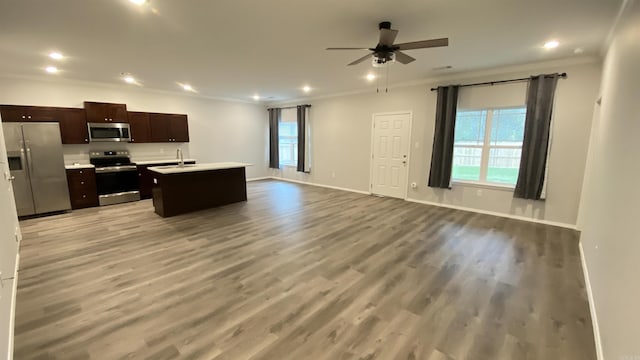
x,y
179,157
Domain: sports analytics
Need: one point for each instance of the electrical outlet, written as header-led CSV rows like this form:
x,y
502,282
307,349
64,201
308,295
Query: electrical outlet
x,y
333,174
414,185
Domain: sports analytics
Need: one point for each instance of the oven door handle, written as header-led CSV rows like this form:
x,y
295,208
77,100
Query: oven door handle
x,y
113,169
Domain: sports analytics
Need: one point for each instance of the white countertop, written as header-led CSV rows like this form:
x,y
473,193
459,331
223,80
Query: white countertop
x,y
166,161
78,166
198,167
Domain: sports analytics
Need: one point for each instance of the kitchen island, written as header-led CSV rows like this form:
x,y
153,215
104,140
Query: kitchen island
x,y
182,189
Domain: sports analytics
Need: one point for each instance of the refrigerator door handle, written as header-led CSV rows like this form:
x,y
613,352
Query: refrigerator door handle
x,y
23,159
29,162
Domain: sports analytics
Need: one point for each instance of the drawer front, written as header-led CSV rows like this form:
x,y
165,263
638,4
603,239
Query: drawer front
x,y
82,188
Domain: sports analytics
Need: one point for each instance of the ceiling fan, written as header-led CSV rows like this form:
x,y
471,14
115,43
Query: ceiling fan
x,y
386,51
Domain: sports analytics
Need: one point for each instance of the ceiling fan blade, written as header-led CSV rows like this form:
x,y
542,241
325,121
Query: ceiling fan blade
x,y
347,48
403,58
387,36
360,60
423,44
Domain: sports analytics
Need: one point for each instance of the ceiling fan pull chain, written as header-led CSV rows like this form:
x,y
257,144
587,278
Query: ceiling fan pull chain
x,y
386,87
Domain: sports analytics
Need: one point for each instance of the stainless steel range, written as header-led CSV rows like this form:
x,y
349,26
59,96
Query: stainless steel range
x,y
116,177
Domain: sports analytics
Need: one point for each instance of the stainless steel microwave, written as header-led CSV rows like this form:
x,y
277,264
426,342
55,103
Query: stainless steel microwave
x,y
109,132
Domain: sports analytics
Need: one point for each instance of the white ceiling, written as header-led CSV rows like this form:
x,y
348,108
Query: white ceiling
x,y
238,48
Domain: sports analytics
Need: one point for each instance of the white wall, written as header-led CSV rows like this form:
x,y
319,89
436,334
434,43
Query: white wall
x,y
341,140
610,209
218,130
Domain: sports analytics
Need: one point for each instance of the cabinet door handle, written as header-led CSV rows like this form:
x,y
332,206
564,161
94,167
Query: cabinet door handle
x,y
80,171
23,116
84,196
86,140
81,182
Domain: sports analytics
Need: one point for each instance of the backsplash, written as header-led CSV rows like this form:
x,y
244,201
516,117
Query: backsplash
x,y
138,152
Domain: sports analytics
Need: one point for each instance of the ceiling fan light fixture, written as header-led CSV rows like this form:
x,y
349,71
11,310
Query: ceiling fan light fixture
x,y
382,61
371,76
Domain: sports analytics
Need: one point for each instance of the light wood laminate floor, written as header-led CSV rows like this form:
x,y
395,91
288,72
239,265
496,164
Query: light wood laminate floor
x,y
299,272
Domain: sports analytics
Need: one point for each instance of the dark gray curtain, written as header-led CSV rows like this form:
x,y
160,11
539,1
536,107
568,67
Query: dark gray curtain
x,y
442,154
533,162
302,139
274,156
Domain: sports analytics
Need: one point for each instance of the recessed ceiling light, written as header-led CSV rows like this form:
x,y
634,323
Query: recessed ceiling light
x,y
578,51
370,76
138,2
51,69
56,55
551,44
129,79
256,97
306,88
187,87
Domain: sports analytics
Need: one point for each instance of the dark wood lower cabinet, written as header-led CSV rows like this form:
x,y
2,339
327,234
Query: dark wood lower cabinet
x,y
82,188
185,192
145,178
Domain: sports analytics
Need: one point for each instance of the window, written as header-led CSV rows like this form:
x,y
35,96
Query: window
x,y
488,145
288,137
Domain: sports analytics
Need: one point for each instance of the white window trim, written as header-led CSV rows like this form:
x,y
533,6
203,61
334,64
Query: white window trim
x,y
486,148
485,185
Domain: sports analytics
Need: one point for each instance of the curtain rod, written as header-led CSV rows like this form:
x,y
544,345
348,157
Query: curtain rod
x,y
562,76
291,107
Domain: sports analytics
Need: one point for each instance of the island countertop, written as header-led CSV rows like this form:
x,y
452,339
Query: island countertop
x,y
175,169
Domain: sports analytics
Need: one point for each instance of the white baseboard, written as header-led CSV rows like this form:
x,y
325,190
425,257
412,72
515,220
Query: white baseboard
x,y
486,212
495,213
320,185
592,305
259,178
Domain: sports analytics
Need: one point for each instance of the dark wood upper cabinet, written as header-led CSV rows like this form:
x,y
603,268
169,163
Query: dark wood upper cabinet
x,y
105,112
139,126
13,113
159,124
179,128
73,126
72,121
169,127
145,127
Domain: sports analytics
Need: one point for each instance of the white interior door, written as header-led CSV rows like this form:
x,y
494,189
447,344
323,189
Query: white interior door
x,y
390,156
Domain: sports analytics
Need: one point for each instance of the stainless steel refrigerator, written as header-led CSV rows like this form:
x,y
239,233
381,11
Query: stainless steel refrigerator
x,y
34,154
